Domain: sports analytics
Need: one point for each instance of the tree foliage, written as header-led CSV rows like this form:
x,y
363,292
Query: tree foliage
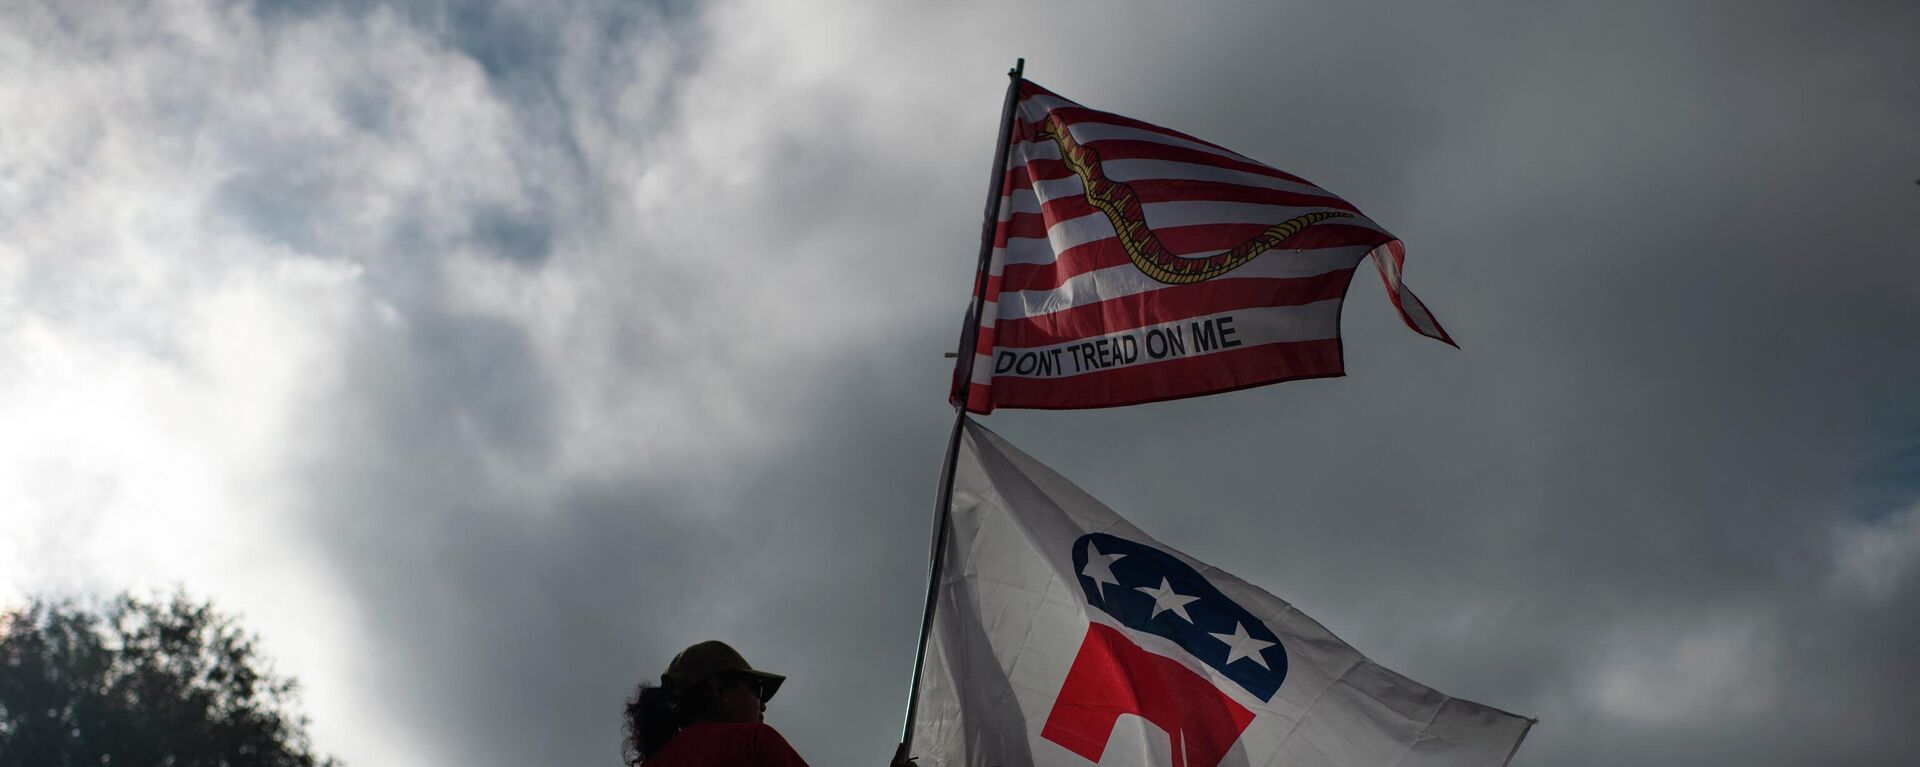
x,y
141,683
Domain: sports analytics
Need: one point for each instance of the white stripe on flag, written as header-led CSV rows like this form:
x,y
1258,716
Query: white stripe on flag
x,y
1019,201
982,370
1177,340
1126,280
1030,250
1416,311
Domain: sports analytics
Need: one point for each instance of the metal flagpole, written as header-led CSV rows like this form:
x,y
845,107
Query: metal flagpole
x,y
964,370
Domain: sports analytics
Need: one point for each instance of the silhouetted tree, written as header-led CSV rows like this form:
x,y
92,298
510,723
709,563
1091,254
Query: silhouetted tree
x,y
141,683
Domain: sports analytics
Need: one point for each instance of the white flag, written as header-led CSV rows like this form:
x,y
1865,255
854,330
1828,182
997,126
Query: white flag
x,y
1065,637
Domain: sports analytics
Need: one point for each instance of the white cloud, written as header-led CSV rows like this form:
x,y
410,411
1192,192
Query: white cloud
x,y
1873,560
1686,672
158,347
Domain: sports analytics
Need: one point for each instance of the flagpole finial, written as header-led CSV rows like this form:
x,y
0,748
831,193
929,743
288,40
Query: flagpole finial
x,y
1019,68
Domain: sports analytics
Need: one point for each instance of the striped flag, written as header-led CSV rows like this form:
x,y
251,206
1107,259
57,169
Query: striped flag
x,y
1132,263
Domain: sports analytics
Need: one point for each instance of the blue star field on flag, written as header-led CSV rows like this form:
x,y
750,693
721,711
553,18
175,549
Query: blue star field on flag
x,y
1149,590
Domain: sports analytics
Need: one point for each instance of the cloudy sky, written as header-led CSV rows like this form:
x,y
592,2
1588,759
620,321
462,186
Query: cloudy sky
x,y
483,356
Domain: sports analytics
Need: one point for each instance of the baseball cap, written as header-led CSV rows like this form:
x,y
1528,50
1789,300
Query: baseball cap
x,y
706,660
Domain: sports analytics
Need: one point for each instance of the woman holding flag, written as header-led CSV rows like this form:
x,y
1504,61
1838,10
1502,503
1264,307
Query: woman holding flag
x,y
709,709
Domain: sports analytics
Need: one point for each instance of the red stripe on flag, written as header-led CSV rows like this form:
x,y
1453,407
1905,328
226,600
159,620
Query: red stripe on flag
x,y
1111,150
1078,114
1241,368
1030,225
1017,179
1169,304
978,398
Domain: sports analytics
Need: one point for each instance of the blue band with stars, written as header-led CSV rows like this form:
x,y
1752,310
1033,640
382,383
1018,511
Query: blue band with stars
x,y
1149,590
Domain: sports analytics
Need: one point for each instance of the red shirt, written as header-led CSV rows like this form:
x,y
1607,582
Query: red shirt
x,y
727,744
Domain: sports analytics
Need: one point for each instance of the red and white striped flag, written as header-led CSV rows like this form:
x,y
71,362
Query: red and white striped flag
x,y
1132,263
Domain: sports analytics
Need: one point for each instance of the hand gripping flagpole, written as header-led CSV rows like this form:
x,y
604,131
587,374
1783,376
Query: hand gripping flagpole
x,y
944,507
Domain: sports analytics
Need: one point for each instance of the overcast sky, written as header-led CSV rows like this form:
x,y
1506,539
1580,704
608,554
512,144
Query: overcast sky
x,y
482,357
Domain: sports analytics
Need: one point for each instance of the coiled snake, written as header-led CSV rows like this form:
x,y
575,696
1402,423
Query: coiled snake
x,y
1122,208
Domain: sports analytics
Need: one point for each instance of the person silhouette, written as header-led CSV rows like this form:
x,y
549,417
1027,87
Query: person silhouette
x,y
709,710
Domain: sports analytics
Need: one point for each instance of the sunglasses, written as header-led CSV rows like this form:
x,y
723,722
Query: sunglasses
x,y
754,684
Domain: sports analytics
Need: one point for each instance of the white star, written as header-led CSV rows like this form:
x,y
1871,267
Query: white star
x,y
1241,645
1100,568
1165,598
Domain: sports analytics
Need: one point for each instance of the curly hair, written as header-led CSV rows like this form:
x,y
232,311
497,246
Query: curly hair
x,y
654,715
651,721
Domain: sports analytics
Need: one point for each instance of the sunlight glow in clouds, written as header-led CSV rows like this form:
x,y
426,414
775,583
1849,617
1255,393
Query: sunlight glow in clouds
x,y
153,356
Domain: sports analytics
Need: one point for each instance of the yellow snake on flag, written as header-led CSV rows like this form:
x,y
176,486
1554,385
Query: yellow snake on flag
x,y
1123,210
